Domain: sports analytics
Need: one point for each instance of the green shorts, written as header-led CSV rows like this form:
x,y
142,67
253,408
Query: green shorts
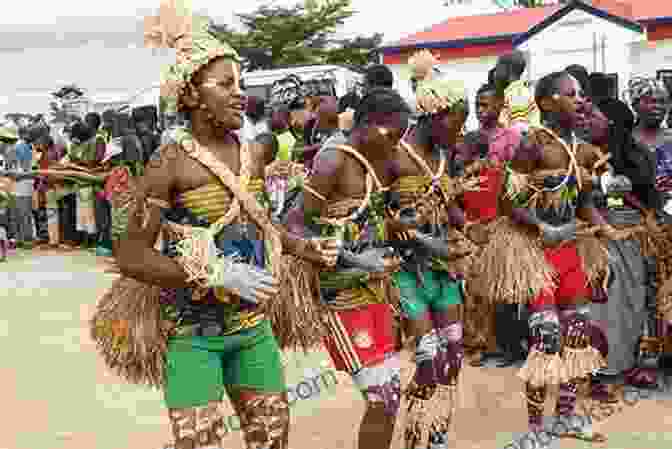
x,y
440,292
199,369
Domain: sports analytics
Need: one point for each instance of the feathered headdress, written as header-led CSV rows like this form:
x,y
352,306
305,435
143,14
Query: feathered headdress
x,y
433,95
194,43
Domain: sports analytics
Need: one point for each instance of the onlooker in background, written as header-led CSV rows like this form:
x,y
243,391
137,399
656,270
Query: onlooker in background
x,y
5,195
67,204
346,105
599,86
84,152
54,190
145,121
24,192
107,119
255,110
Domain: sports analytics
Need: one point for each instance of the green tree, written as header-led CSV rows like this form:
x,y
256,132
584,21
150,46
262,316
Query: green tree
x,y
275,36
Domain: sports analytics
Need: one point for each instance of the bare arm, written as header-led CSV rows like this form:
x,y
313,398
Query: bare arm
x,y
322,183
136,255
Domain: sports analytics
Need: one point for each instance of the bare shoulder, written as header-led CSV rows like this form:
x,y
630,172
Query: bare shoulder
x,y
161,171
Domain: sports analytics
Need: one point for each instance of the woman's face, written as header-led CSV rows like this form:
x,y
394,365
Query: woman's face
x,y
596,125
218,87
651,109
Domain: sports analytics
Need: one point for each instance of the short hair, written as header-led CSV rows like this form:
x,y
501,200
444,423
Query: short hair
x,y
486,88
548,86
581,74
382,101
515,60
379,75
93,118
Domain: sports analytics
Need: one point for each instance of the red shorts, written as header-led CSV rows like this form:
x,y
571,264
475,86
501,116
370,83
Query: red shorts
x,y
360,337
482,204
571,282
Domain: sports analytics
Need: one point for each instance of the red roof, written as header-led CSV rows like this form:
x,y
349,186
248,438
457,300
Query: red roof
x,y
508,23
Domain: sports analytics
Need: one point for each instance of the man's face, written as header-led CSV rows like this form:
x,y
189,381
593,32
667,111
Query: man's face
x,y
570,104
651,109
447,126
488,107
219,89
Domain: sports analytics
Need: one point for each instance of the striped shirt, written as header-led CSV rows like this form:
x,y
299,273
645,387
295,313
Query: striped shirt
x,y
520,110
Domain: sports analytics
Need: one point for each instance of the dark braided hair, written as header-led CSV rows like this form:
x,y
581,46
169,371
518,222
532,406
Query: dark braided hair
x,y
547,87
380,101
488,87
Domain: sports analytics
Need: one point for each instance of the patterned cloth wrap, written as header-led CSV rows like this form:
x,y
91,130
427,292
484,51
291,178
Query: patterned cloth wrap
x,y
215,313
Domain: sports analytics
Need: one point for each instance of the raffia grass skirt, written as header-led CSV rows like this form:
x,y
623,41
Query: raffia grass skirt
x,y
297,313
659,245
511,267
129,332
595,259
553,369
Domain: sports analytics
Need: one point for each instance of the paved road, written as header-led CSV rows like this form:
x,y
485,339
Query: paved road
x,y
56,393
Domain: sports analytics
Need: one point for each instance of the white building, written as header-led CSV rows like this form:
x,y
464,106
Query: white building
x,y
624,39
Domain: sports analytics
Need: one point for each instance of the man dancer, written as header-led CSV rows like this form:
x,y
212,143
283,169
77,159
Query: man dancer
x,y
430,280
483,153
343,195
554,163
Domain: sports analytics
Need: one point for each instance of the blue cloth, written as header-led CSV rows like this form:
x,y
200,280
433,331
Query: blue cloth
x,y
24,152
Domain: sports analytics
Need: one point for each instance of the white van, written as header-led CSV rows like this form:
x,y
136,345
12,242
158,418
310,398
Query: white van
x,y
258,83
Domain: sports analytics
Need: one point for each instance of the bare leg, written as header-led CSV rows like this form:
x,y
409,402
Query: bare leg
x,y
381,386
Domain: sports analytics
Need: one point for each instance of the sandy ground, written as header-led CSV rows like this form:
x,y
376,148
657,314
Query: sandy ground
x,y
56,392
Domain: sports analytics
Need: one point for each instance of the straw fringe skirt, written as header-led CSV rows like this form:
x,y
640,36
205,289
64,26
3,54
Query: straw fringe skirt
x,y
511,268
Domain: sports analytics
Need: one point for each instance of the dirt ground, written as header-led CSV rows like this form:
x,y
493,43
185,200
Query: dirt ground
x,y
57,393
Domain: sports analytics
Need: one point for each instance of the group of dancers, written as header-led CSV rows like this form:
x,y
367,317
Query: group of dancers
x,y
231,251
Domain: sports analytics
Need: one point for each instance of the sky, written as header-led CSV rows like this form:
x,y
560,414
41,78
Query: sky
x,y
41,13
95,41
